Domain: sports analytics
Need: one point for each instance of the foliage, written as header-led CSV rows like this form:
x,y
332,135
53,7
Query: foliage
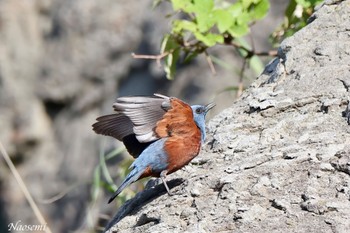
x,y
206,23
103,180
201,24
296,16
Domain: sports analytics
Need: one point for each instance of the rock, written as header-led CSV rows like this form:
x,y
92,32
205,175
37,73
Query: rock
x,y
341,161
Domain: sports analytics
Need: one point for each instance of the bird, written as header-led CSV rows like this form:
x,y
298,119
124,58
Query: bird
x,y
162,133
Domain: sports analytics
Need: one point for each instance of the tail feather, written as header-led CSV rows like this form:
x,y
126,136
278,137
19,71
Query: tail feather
x,y
133,176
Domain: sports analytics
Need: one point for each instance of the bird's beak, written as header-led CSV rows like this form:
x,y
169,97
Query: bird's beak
x,y
209,106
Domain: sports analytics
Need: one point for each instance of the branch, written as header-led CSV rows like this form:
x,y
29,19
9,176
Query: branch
x,y
271,53
251,53
152,57
210,62
24,189
241,75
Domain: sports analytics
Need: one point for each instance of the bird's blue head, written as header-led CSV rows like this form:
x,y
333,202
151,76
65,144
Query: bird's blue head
x,y
199,113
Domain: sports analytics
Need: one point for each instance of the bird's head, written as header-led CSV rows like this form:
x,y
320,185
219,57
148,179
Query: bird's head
x,y
199,113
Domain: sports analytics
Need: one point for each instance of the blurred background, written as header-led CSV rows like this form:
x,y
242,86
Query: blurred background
x,y
62,64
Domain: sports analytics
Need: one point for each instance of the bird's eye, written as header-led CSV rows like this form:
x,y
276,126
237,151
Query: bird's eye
x,y
198,110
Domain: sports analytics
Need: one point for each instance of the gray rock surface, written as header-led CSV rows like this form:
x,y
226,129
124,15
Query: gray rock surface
x,y
278,160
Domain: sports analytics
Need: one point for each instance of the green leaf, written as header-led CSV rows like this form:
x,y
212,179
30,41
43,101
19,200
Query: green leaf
x,y
190,56
204,15
170,64
230,88
216,37
246,3
308,3
290,11
235,9
243,42
156,3
304,3
205,21
114,153
238,30
209,39
244,18
164,43
222,63
256,64
107,187
104,170
203,6
180,25
223,19
95,189
184,5
261,9
168,44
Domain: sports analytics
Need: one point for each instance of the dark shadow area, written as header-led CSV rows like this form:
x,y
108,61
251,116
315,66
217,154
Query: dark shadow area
x,y
133,205
56,31
346,113
141,80
71,201
53,108
3,216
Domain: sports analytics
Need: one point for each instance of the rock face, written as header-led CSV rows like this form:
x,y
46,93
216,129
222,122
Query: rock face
x,y
278,160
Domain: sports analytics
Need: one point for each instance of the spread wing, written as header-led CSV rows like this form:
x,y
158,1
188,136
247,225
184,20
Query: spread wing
x,y
139,121
144,113
115,125
134,122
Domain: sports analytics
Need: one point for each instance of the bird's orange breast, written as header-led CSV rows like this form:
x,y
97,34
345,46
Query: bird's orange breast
x,y
184,137
181,151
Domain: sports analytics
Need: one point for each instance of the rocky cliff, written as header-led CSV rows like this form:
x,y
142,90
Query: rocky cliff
x,y
277,160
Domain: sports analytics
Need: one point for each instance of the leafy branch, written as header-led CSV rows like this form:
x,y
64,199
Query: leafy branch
x,y
198,25
203,24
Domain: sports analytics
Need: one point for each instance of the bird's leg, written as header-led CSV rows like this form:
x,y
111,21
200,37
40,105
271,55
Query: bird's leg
x,y
163,176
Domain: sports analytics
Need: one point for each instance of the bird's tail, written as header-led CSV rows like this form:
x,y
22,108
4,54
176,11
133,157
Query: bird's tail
x,y
133,176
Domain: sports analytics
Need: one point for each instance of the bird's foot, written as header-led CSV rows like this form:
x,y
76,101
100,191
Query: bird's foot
x,y
163,176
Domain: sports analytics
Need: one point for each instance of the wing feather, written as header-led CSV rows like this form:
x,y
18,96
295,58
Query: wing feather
x,y
115,125
144,113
